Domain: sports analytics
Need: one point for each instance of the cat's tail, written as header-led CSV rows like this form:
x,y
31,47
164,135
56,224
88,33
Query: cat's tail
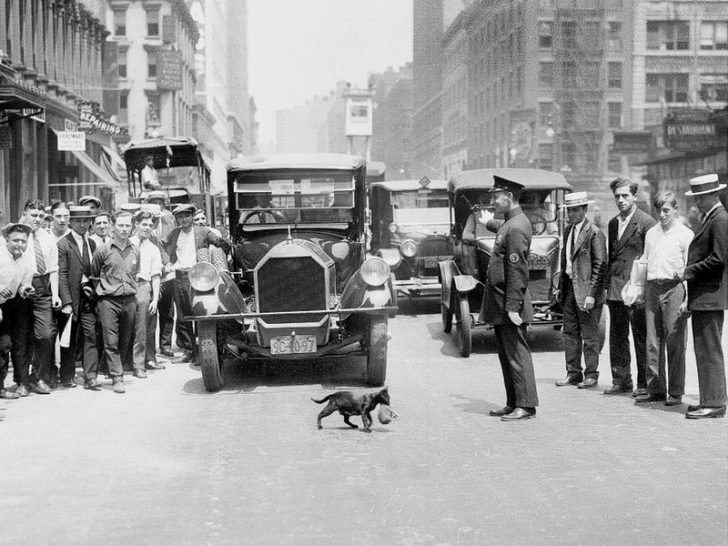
x,y
324,399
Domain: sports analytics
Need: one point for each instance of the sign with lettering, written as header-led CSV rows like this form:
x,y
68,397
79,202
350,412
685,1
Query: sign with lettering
x,y
71,141
169,29
169,69
690,130
632,142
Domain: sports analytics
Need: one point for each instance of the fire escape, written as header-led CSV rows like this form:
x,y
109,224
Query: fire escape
x,y
578,89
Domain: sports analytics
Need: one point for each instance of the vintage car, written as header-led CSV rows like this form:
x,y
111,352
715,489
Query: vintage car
x,y
463,275
410,222
303,285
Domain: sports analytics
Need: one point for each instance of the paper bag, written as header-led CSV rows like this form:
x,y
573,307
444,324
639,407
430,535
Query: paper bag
x,y
65,340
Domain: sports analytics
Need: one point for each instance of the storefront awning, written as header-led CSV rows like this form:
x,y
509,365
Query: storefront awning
x,y
94,168
13,97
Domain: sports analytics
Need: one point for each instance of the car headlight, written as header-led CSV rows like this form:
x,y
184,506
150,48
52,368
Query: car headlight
x,y
204,277
375,271
392,227
408,248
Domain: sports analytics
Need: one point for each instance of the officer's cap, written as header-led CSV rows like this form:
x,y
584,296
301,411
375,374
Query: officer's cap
x,y
503,184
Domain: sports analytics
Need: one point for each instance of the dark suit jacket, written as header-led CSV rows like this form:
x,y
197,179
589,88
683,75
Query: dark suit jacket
x,y
589,264
506,286
706,271
70,271
204,237
623,252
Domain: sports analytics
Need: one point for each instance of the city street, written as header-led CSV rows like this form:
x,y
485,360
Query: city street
x,y
168,463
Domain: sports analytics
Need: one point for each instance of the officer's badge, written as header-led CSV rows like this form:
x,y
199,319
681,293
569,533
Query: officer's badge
x,y
513,258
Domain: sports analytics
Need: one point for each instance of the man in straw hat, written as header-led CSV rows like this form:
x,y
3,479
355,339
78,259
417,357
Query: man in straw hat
x,y
75,252
581,292
707,276
506,300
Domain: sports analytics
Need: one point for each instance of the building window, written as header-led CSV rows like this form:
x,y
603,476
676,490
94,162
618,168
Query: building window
x,y
151,64
568,34
568,115
615,115
590,117
545,34
123,108
714,35
615,35
714,87
546,75
668,35
546,156
153,22
614,76
120,22
667,87
545,114
153,110
591,156
590,75
568,76
121,63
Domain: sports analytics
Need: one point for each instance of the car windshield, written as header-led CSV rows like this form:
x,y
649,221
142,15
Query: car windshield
x,y
540,206
290,198
420,207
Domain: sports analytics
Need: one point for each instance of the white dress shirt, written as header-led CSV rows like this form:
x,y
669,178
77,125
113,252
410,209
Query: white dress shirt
x,y
666,252
81,242
572,237
48,247
150,259
186,251
623,223
15,273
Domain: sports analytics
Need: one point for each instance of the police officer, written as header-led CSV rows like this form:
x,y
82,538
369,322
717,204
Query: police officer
x,y
507,302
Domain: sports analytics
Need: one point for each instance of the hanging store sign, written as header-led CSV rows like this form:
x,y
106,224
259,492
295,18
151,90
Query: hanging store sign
x,y
89,120
692,130
169,69
71,141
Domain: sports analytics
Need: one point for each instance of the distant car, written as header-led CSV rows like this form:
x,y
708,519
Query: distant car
x,y
410,222
303,285
462,275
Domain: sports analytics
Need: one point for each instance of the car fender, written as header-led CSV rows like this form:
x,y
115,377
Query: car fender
x,y
358,293
224,298
465,283
448,271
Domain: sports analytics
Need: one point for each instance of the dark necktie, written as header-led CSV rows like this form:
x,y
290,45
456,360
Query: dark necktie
x,y
86,259
39,260
573,241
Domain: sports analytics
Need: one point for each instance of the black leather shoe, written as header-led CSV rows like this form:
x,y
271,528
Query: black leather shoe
x,y
69,384
519,414
693,408
588,383
151,365
40,387
618,389
640,391
92,385
673,401
706,413
507,410
166,352
184,360
647,398
568,380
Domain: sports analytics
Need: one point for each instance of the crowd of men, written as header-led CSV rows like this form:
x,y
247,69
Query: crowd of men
x,y
651,275
101,287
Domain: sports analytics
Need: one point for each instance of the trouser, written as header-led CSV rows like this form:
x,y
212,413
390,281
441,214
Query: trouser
x,y
141,323
165,311
32,333
666,330
83,335
183,306
621,317
707,332
58,323
516,365
581,335
116,314
6,334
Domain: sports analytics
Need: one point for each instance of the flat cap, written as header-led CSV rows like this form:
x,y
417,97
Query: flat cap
x,y
185,207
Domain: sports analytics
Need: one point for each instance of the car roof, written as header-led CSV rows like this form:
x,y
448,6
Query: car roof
x,y
180,151
409,185
275,162
530,178
171,192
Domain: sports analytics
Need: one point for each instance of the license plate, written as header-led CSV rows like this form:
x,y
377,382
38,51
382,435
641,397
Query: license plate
x,y
431,262
286,345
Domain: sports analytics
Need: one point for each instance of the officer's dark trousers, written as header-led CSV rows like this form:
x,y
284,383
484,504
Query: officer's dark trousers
x,y
517,366
32,334
186,332
581,329
620,318
707,330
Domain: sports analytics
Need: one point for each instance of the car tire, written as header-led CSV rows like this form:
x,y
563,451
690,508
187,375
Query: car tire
x,y
446,314
377,351
209,358
464,327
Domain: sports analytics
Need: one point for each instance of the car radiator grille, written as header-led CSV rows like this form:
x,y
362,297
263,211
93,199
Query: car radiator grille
x,y
432,251
291,284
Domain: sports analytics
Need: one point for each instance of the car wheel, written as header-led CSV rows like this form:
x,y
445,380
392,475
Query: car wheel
x,y
464,324
377,354
446,314
209,360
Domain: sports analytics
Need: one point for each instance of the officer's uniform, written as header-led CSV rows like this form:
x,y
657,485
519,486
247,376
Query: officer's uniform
x,y
506,289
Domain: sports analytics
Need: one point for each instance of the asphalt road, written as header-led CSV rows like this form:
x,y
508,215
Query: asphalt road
x,y
168,463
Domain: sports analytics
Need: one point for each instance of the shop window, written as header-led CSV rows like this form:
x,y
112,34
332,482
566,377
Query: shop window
x,y
668,35
614,76
615,115
714,35
545,34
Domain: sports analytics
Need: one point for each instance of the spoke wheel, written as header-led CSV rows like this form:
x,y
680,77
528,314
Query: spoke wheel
x,y
464,323
209,359
377,354
446,314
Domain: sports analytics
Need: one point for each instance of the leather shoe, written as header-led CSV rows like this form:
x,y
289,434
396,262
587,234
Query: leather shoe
x,y
693,408
647,398
568,380
119,387
166,352
151,365
8,395
40,387
639,391
92,385
501,412
69,384
673,401
519,414
618,389
706,413
22,390
141,374
588,383
184,360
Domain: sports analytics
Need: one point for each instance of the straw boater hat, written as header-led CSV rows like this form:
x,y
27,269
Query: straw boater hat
x,y
156,195
700,185
10,228
576,199
130,207
80,212
89,199
155,209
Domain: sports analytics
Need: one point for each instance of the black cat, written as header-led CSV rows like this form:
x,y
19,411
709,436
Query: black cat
x,y
352,403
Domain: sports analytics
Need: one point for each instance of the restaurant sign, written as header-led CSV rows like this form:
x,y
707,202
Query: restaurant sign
x,y
692,130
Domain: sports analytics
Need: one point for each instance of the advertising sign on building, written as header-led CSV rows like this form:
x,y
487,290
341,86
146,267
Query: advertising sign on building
x,y
169,29
358,116
71,141
632,142
690,130
169,69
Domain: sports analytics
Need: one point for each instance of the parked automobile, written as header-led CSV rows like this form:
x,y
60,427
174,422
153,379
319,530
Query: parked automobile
x,y
410,222
463,275
303,285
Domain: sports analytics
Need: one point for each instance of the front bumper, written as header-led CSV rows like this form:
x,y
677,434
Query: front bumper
x,y
418,287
